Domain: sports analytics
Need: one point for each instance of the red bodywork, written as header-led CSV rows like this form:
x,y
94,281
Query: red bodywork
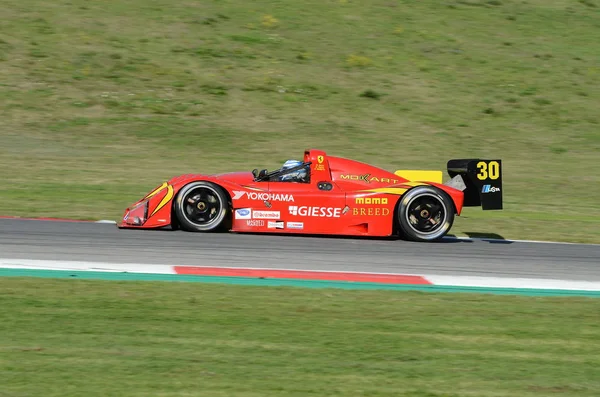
x,y
361,202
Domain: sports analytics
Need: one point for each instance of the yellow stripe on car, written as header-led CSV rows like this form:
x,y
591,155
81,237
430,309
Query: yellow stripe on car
x,y
155,191
165,199
421,175
253,188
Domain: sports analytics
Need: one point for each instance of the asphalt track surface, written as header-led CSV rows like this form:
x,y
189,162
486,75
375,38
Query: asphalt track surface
x,y
52,240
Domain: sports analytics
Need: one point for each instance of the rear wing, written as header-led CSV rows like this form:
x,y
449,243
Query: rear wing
x,y
480,180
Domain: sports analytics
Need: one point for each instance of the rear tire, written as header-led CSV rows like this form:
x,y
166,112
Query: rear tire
x,y
425,213
201,207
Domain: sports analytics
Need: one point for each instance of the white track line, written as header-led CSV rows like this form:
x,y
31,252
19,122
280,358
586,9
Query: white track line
x,y
85,266
501,282
499,240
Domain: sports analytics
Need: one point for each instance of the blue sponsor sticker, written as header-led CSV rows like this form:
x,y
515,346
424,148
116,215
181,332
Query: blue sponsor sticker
x,y
243,213
489,189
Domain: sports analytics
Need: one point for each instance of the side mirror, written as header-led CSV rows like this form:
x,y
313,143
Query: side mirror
x,y
255,172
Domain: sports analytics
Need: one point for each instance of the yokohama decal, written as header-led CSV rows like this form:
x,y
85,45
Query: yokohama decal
x,y
238,194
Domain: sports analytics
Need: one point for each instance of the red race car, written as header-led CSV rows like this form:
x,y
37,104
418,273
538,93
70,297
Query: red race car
x,y
322,194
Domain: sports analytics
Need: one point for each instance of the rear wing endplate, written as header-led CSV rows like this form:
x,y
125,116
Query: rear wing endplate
x,y
481,181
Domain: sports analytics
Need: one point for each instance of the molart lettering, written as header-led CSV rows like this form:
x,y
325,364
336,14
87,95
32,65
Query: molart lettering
x,y
367,178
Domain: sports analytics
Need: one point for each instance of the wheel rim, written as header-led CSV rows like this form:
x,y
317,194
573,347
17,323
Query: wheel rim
x,y
426,214
202,206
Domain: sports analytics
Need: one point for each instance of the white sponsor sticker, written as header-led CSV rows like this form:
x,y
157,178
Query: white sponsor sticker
x,y
275,225
321,212
255,223
295,225
243,213
266,214
238,194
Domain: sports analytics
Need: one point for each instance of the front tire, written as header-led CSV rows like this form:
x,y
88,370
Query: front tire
x,y
425,213
201,207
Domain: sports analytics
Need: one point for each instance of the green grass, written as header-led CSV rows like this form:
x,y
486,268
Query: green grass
x,y
98,338
101,102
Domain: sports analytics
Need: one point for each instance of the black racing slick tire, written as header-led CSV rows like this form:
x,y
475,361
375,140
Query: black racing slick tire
x,y
425,213
201,207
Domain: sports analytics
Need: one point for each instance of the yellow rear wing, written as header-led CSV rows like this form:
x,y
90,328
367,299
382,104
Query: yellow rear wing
x,y
421,175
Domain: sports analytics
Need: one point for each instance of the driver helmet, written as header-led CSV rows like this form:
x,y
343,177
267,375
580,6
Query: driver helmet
x,y
295,176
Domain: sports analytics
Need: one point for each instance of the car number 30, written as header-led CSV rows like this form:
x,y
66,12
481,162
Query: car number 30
x,y
489,170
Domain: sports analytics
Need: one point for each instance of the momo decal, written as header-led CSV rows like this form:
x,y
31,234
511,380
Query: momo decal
x,y
371,200
238,194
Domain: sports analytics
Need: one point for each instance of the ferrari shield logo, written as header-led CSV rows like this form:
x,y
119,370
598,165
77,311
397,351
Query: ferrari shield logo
x,y
320,166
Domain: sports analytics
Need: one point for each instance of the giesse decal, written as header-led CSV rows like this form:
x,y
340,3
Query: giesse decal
x,y
321,212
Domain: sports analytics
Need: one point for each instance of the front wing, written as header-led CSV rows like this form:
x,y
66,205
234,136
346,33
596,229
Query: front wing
x,y
152,211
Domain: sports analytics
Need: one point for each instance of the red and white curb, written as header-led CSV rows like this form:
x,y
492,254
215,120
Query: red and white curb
x,y
364,277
